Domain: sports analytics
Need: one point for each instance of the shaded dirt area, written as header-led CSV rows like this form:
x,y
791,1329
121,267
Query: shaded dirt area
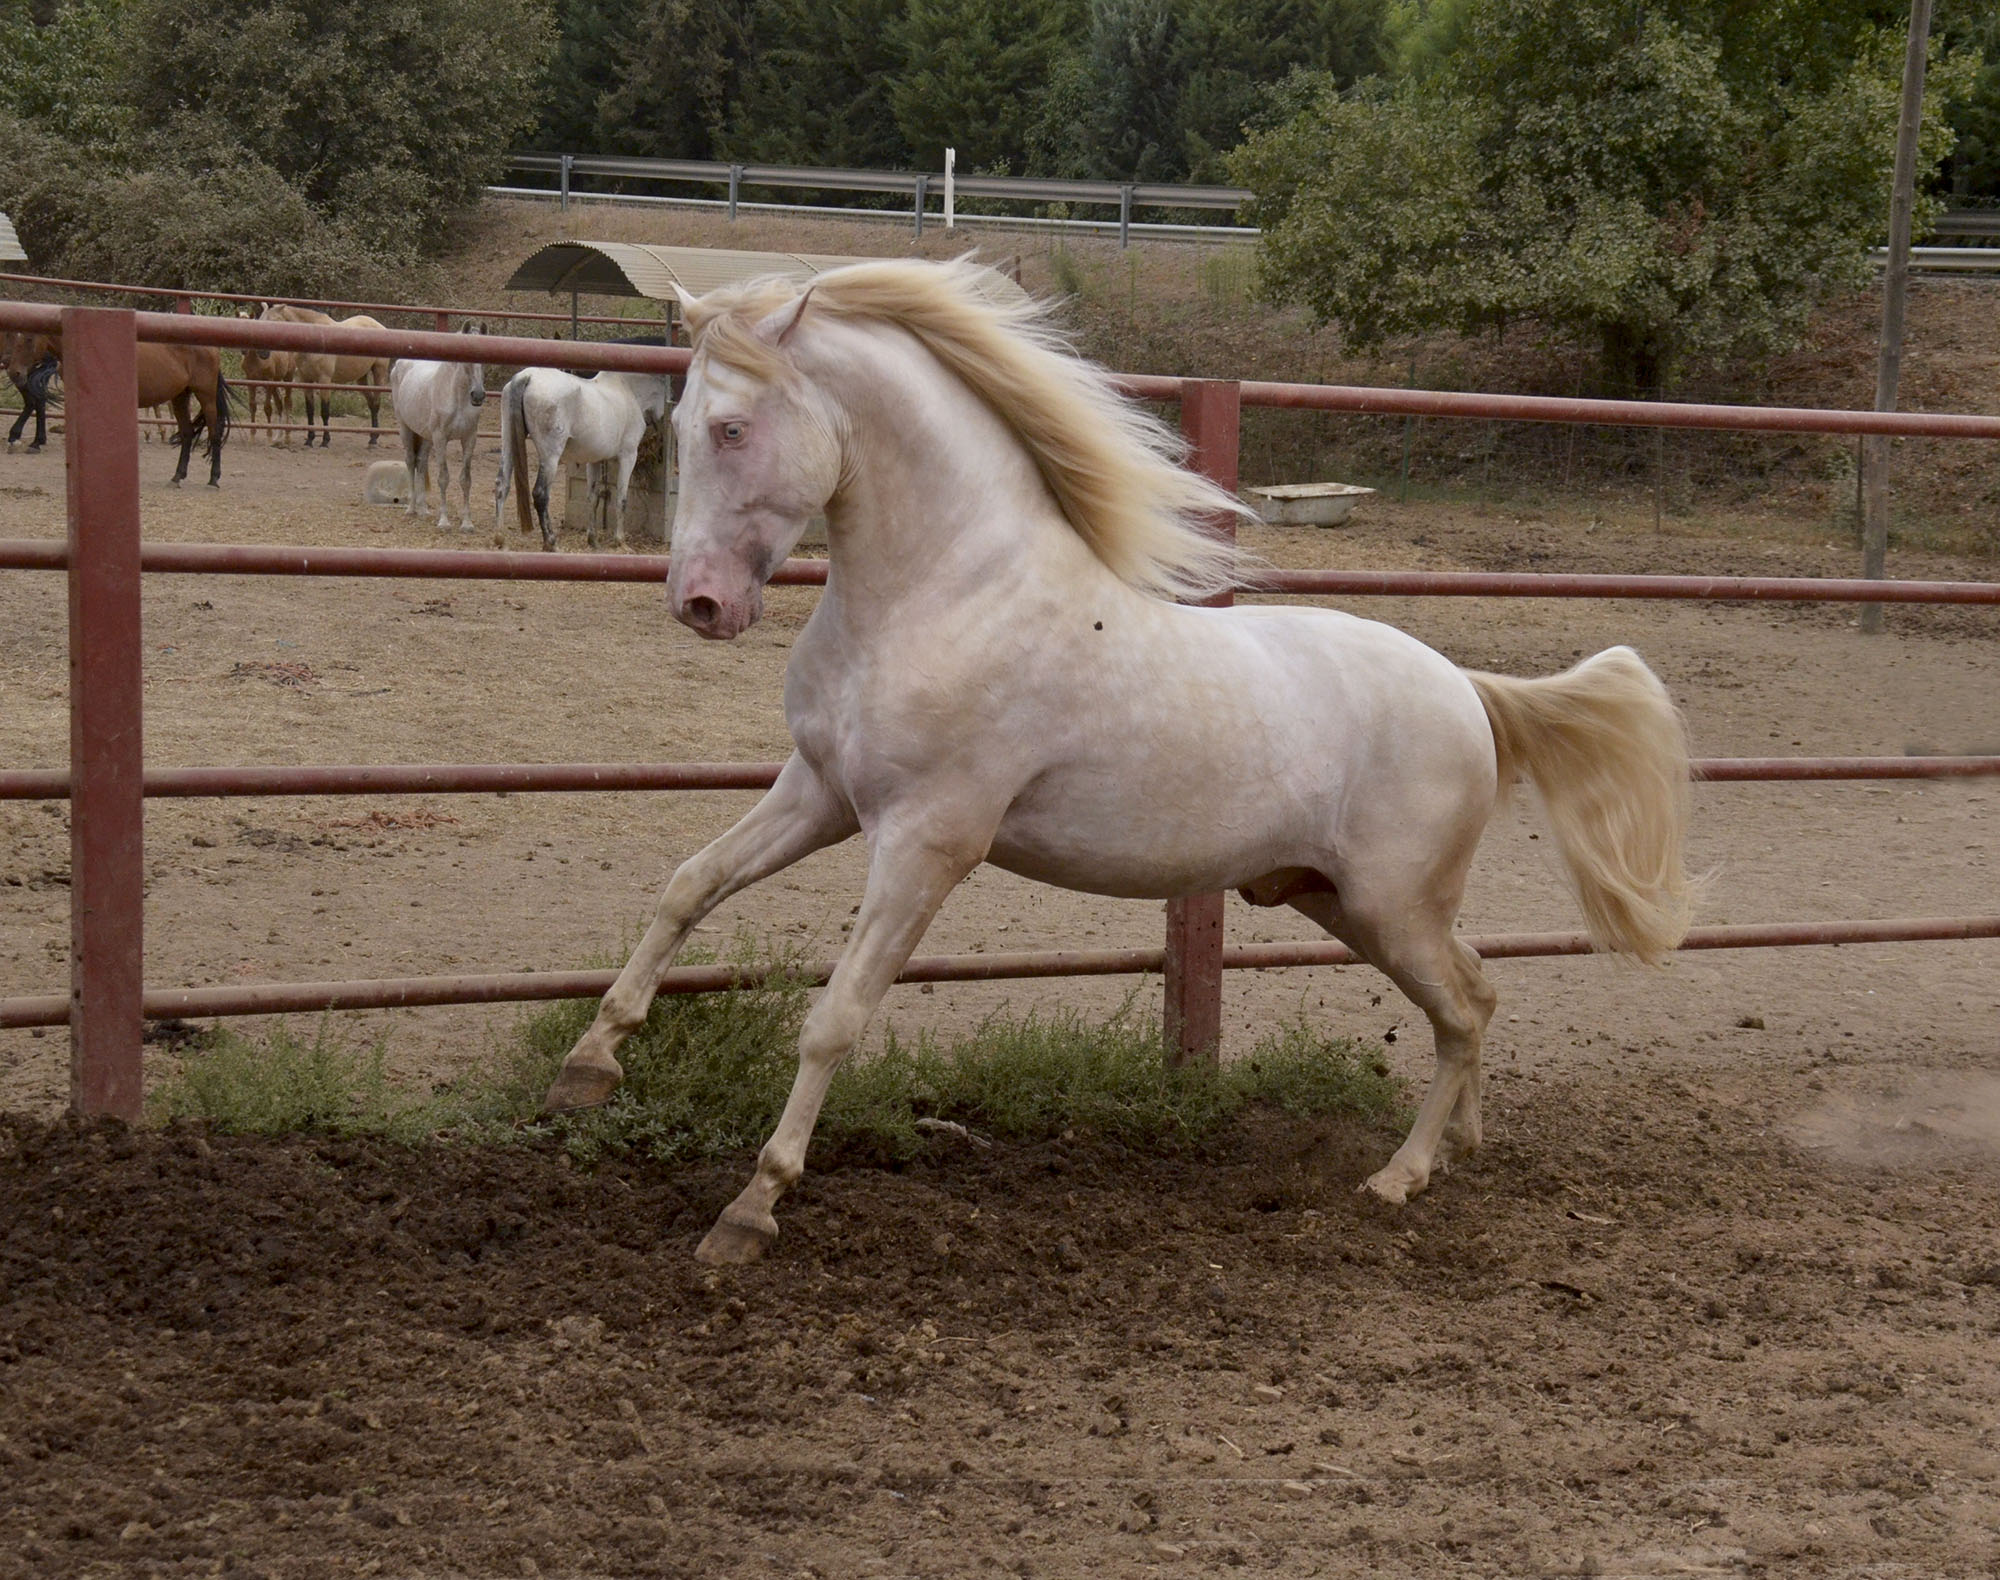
x,y
1649,1331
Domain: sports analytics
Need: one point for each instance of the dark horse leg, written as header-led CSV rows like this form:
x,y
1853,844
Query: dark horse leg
x,y
374,415
215,408
188,430
34,403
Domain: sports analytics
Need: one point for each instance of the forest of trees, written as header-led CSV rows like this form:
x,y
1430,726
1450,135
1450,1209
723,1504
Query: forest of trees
x,y
1671,179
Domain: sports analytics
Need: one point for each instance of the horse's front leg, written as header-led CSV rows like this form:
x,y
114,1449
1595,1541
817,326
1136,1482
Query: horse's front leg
x,y
466,447
914,866
798,816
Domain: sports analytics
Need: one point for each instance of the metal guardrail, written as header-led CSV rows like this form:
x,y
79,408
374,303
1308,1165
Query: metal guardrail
x,y
917,185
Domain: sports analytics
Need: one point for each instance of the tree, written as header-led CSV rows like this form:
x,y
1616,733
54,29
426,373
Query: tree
x,y
1670,184
820,91
678,73
400,111
971,75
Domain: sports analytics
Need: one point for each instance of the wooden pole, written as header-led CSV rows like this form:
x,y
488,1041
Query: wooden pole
x,y
1895,291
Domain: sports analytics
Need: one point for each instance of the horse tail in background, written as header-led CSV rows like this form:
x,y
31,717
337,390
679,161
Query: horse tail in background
x,y
514,452
220,430
1607,749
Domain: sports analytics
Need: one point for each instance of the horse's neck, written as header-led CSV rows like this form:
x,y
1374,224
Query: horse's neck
x,y
940,502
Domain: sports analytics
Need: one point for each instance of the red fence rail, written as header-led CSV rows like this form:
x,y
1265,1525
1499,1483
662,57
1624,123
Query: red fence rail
x,y
107,782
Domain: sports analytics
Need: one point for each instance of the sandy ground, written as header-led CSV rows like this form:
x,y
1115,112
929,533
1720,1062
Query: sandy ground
x,y
1718,1298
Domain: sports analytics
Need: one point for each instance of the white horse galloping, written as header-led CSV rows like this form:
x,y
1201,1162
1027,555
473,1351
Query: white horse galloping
x,y
997,671
600,421
436,403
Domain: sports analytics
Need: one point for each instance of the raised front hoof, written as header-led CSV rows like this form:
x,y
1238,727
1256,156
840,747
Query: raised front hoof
x,y
1394,1185
738,1238
579,1086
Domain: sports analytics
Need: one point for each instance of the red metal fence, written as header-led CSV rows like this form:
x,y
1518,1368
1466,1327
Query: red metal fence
x,y
107,782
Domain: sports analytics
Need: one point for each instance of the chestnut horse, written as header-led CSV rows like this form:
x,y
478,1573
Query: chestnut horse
x,y
187,378
319,367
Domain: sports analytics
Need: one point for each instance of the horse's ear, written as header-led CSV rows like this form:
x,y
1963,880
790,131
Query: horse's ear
x,y
685,298
776,327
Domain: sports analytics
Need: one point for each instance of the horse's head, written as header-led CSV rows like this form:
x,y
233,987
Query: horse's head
x,y
475,390
21,352
760,455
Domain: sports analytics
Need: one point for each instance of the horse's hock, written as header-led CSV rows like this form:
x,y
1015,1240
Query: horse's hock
x,y
649,499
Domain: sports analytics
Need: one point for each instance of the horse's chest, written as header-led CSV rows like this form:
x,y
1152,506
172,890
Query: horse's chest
x,y
869,729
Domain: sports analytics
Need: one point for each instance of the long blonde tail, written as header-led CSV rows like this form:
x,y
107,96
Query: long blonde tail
x,y
1607,748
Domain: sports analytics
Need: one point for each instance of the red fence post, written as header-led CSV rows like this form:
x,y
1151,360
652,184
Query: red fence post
x,y
1211,415
106,745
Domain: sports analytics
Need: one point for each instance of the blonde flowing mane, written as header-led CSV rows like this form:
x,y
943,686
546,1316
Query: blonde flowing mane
x,y
1115,470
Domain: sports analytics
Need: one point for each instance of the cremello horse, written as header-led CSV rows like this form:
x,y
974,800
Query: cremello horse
x,y
436,403
599,420
998,671
320,367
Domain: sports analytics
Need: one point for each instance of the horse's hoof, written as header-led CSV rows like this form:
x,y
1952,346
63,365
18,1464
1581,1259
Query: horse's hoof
x,y
738,1238
579,1086
1391,1185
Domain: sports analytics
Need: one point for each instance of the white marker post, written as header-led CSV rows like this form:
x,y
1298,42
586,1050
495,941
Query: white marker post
x,y
950,159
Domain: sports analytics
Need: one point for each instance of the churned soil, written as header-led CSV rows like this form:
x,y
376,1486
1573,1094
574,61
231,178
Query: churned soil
x,y
1651,1330
1721,1295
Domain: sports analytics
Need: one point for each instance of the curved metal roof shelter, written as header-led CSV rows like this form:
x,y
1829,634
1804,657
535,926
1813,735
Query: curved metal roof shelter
x,y
10,243
623,268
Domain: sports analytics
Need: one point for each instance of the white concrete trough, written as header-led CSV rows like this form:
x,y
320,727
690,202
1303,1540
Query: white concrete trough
x,y
1307,504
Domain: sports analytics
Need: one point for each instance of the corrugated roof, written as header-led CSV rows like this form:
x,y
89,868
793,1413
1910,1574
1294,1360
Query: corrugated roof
x,y
623,268
10,243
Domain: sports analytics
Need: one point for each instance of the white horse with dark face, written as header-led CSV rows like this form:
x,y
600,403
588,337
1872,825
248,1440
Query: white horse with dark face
x,y
599,421
437,404
999,671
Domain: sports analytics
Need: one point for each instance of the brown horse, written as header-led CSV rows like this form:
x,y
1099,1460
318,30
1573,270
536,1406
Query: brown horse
x,y
189,379
31,364
318,367
269,368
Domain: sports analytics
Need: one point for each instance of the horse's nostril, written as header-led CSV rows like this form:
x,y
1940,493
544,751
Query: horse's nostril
x,y
701,611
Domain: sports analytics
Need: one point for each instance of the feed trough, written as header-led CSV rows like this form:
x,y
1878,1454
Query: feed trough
x,y
1307,504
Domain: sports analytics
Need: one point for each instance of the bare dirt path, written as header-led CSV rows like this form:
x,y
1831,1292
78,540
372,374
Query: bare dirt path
x,y
1718,1298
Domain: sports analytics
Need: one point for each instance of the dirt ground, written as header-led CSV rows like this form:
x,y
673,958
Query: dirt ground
x,y
1720,1296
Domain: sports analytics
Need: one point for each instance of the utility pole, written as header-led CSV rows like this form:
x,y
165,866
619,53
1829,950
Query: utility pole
x,y
1895,291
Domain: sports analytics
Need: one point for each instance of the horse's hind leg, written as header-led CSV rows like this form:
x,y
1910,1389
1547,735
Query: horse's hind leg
x,y
185,419
548,464
1410,941
413,449
625,462
216,418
